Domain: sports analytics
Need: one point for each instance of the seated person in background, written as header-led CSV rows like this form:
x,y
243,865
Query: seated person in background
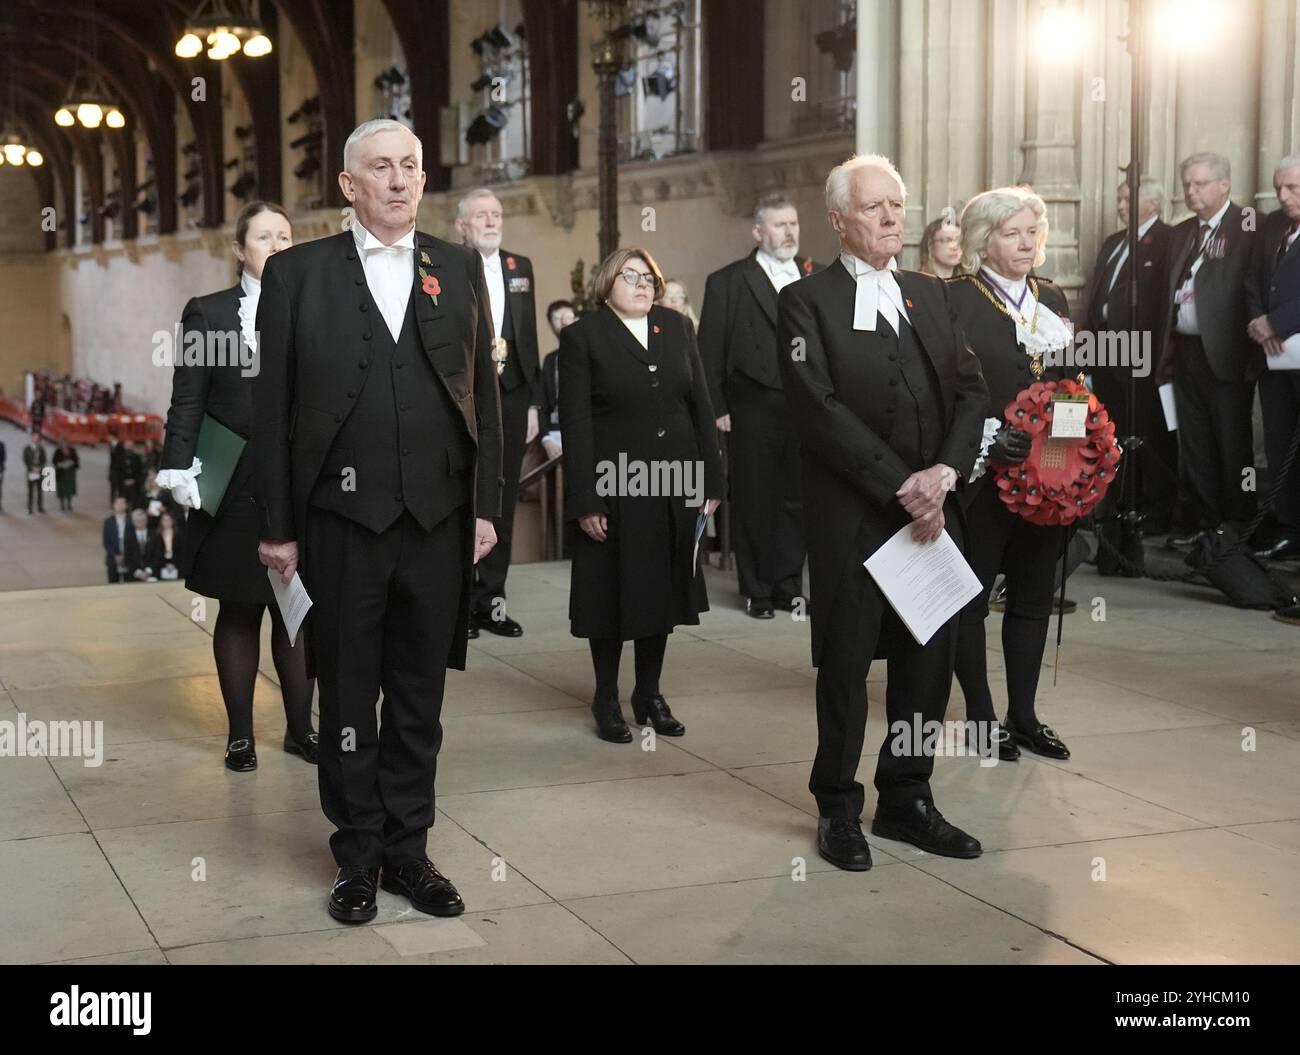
x,y
156,501
141,549
117,525
168,549
559,313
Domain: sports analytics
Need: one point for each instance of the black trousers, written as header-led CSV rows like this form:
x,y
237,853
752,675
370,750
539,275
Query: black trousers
x,y
384,614
1279,397
1157,463
490,572
920,677
1214,438
35,496
1029,554
765,494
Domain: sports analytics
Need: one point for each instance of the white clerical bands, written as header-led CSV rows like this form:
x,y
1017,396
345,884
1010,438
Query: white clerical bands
x,y
878,294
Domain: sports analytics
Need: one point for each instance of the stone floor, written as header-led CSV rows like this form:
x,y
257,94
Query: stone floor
x,y
1163,840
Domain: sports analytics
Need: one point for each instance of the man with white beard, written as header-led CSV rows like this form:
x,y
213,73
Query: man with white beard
x,y
738,346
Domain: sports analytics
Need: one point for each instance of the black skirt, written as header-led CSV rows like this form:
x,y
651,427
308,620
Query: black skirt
x,y
639,582
221,550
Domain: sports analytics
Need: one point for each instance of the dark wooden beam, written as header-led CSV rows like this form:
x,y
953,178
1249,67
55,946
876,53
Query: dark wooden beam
x,y
424,29
552,28
732,46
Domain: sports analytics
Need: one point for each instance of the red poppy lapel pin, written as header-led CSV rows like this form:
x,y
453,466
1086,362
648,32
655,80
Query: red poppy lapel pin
x,y
807,267
908,303
510,263
656,327
430,286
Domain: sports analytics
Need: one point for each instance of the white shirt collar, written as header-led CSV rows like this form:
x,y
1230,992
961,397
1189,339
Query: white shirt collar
x,y
492,259
366,241
1013,287
774,266
1147,226
1217,218
857,266
251,286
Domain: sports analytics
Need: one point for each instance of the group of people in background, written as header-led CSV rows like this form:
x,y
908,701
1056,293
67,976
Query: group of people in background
x,y
892,415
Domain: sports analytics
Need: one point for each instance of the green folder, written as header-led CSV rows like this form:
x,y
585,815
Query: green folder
x,y
219,450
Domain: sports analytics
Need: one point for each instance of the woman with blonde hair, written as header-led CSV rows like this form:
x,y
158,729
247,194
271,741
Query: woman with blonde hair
x,y
634,398
1017,325
675,297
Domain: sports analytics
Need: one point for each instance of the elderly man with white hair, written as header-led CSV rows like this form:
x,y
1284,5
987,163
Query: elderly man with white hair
x,y
1208,353
889,405
377,451
479,222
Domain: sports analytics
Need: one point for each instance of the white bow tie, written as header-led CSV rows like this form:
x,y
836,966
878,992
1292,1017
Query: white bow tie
x,y
878,293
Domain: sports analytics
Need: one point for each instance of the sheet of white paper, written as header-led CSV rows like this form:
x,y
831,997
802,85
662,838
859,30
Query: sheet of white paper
x,y
1290,357
1167,405
701,522
1069,420
292,599
926,583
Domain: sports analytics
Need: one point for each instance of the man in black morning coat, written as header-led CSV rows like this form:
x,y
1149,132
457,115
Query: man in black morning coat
x,y
738,346
889,404
377,452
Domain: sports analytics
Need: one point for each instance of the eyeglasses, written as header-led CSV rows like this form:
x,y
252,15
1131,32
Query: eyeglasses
x,y
633,277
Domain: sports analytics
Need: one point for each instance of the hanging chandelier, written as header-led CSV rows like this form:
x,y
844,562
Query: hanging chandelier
x,y
88,101
228,27
13,151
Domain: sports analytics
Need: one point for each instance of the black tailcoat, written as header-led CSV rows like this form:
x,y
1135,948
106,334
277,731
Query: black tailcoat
x,y
840,401
315,328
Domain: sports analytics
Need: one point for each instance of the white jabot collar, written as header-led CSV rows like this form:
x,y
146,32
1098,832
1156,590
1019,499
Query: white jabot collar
x,y
1012,287
878,291
251,286
367,241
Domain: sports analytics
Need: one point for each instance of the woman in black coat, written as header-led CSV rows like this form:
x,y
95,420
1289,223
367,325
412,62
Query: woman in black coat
x,y
66,464
641,465
1017,326
220,545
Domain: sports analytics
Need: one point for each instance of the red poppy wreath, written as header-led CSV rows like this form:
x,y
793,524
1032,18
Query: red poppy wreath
x,y
1062,479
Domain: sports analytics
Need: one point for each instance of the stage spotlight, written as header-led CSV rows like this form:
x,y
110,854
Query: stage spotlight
x,y
662,82
486,125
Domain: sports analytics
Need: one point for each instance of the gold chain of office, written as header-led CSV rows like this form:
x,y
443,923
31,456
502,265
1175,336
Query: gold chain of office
x,y
1035,358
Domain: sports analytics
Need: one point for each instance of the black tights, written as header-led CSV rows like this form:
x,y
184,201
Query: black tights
x,y
1023,641
606,653
236,645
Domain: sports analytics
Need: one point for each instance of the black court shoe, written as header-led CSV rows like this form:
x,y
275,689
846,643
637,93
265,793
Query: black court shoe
x,y
841,842
922,825
425,887
241,755
308,748
1041,740
654,709
759,609
609,720
353,896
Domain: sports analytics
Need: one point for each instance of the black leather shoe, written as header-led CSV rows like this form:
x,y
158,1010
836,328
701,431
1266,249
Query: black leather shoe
x,y
1290,614
1040,740
841,842
922,825
654,709
609,721
427,889
1283,549
503,627
473,630
308,749
1007,749
241,755
791,604
759,609
352,898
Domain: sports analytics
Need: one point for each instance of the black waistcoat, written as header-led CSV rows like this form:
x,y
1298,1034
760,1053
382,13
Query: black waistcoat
x,y
403,438
918,429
